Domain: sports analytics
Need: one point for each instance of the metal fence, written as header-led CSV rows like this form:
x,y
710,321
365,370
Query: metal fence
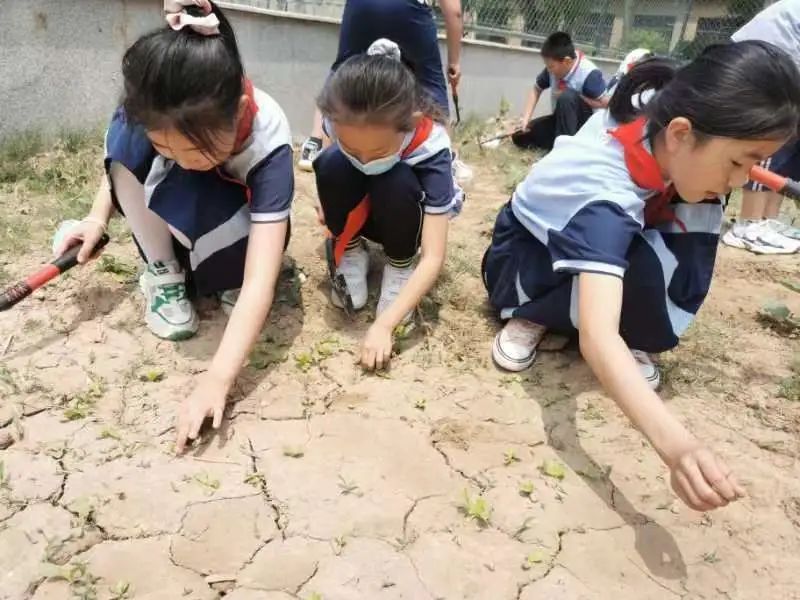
x,y
600,27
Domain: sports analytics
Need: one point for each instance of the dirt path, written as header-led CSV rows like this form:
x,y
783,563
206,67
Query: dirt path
x,y
443,479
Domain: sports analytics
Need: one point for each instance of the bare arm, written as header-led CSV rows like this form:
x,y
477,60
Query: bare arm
x,y
377,347
530,106
454,26
262,266
89,231
434,250
700,479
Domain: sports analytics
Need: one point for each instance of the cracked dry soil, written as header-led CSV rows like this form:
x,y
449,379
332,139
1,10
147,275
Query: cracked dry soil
x,y
425,483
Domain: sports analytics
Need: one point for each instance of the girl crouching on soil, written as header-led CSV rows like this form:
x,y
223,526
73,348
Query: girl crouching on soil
x,y
614,234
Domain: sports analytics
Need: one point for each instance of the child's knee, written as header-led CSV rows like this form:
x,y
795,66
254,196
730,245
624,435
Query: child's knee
x,y
331,167
398,185
569,98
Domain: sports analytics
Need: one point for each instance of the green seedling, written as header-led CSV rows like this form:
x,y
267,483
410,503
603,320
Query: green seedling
x,y
348,488
304,361
510,457
534,558
122,591
326,348
110,434
257,480
211,484
526,488
115,266
711,557
152,376
476,508
554,469
81,405
293,452
315,596
3,476
339,543
420,404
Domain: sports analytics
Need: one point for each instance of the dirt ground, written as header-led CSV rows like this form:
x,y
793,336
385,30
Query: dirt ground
x,y
441,479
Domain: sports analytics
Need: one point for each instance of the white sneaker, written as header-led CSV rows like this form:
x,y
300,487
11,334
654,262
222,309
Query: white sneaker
x,y
760,238
228,299
647,368
354,267
394,280
308,153
514,346
462,173
784,229
168,312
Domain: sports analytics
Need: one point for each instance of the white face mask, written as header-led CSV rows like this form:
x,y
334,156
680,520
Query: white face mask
x,y
373,167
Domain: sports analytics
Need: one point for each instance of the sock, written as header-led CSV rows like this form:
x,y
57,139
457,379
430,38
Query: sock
x,y
354,243
400,263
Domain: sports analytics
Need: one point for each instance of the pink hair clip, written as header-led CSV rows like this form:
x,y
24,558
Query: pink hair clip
x,y
178,18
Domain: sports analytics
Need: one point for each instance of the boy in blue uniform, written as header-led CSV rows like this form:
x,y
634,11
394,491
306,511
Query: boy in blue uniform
x,y
576,89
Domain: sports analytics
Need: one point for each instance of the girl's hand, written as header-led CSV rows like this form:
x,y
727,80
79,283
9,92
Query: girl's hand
x,y
454,76
87,233
207,400
702,480
377,348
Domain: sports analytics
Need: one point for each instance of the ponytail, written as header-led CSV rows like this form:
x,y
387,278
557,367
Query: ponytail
x,y
744,90
185,79
650,74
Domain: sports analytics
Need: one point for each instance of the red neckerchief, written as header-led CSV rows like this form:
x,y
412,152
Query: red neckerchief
x,y
248,116
243,132
358,215
562,83
646,173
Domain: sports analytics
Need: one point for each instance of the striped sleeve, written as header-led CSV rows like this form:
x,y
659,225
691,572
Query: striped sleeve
x,y
436,177
595,240
271,184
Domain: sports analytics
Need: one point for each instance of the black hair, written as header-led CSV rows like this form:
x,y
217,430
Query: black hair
x,y
376,89
185,80
558,46
744,90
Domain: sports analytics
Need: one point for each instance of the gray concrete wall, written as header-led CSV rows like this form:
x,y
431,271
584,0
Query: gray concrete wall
x,y
59,62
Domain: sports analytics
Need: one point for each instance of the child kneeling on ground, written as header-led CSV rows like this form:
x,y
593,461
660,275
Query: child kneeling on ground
x,y
200,165
614,234
386,178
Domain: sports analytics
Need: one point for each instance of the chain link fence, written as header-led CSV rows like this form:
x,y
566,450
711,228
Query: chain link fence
x,y
680,28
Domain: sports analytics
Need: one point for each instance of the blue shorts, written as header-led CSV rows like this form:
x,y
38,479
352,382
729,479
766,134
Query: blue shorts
x,y
409,23
786,162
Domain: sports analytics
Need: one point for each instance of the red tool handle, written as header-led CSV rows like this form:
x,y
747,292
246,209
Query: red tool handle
x,y
22,289
775,182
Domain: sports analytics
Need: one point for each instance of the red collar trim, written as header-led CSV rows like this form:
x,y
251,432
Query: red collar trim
x,y
421,134
245,128
641,164
645,172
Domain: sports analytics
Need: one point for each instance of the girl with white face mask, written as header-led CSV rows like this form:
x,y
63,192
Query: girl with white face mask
x,y
386,178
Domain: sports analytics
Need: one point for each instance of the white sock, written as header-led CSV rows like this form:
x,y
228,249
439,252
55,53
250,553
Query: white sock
x,y
151,231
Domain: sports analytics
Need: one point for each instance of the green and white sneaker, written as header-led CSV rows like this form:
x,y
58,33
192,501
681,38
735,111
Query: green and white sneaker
x,y
228,299
168,312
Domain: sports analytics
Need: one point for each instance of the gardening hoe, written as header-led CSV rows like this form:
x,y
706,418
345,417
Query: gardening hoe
x,y
24,288
337,279
775,182
457,107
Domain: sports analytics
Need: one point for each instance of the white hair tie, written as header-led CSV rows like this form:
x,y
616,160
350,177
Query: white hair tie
x,y
178,18
384,47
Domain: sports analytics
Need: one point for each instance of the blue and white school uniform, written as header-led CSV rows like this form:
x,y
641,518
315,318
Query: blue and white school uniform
x,y
597,203
584,77
388,208
210,212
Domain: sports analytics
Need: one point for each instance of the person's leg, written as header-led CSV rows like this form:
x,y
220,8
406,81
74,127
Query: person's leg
x,y
341,188
570,113
168,313
395,222
754,204
540,133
